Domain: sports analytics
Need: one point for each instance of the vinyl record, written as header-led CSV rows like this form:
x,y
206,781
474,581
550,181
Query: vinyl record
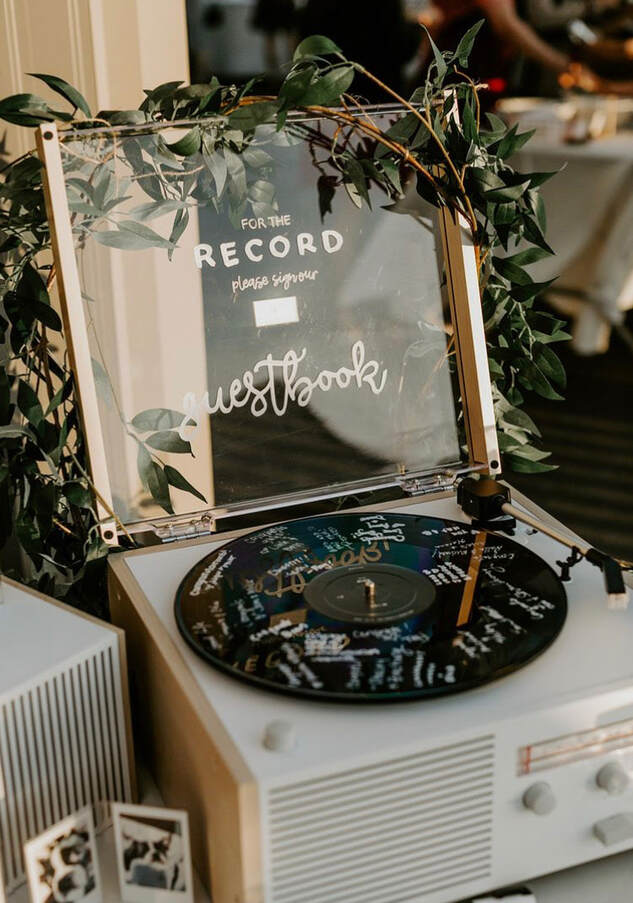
x,y
372,606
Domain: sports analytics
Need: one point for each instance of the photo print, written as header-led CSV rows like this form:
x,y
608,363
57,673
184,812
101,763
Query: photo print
x,y
153,855
62,865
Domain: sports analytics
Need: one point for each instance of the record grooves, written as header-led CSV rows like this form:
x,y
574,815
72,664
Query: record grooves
x,y
373,606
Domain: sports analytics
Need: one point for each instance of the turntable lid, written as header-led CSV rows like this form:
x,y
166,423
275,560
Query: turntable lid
x,y
242,333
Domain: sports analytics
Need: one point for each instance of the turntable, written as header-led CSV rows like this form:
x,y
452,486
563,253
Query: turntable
x,y
366,670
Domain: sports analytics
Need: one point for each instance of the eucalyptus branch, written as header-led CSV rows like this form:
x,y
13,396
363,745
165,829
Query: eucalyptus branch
x,y
426,122
56,515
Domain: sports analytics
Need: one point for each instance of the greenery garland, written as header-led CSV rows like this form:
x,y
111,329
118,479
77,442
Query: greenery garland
x,y
49,536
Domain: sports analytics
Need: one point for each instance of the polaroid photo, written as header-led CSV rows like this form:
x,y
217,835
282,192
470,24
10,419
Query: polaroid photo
x,y
153,854
62,864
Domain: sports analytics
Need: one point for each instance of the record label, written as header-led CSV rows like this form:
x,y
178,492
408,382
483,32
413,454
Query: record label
x,y
373,606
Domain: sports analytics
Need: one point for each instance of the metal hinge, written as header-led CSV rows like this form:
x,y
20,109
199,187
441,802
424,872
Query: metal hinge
x,y
438,482
175,530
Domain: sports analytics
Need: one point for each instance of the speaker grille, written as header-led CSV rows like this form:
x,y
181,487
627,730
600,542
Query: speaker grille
x,y
383,833
62,746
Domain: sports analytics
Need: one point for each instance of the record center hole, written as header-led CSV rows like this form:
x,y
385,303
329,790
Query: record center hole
x,y
371,594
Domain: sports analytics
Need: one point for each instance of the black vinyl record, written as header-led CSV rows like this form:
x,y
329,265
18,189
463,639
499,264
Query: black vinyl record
x,y
372,606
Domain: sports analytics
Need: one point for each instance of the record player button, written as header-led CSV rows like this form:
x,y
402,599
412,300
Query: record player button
x,y
539,798
615,829
612,778
280,736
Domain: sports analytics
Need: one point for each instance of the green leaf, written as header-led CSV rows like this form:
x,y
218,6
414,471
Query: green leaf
x,y
440,62
530,290
78,494
540,178
124,117
549,363
217,166
25,109
60,396
13,431
532,232
153,209
496,123
31,299
29,404
518,417
153,239
530,452
154,479
528,256
169,441
124,241
327,89
295,86
236,174
532,377
131,236
102,383
426,190
469,123
466,44
72,95
315,45
248,117
485,178
181,221
262,192
256,158
212,100
354,194
511,271
404,128
160,93
503,214
392,171
354,172
541,216
522,465
176,479
512,142
507,193
187,145
157,419
497,130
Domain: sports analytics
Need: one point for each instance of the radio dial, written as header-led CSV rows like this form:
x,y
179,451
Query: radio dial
x,y
612,778
540,799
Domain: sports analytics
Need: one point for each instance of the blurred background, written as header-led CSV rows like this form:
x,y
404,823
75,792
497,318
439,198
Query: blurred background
x,y
561,67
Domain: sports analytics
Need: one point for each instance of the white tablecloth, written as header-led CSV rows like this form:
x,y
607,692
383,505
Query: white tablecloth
x,y
590,226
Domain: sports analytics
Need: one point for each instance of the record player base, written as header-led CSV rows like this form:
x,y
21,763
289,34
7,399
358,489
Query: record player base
x,y
417,801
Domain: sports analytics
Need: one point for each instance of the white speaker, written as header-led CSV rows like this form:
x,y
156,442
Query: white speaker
x,y
65,736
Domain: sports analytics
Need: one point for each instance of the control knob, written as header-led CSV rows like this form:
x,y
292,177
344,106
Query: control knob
x,y
613,778
280,736
539,798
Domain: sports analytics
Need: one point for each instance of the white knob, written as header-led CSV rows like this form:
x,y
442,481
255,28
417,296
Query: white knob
x,y
612,778
280,736
539,798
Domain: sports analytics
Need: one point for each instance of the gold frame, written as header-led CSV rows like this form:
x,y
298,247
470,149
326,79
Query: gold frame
x,y
464,299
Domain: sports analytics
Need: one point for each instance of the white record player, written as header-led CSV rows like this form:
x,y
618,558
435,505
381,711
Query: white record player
x,y
305,361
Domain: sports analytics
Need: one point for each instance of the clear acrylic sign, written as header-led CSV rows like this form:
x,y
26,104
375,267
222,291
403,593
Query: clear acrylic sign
x,y
255,332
